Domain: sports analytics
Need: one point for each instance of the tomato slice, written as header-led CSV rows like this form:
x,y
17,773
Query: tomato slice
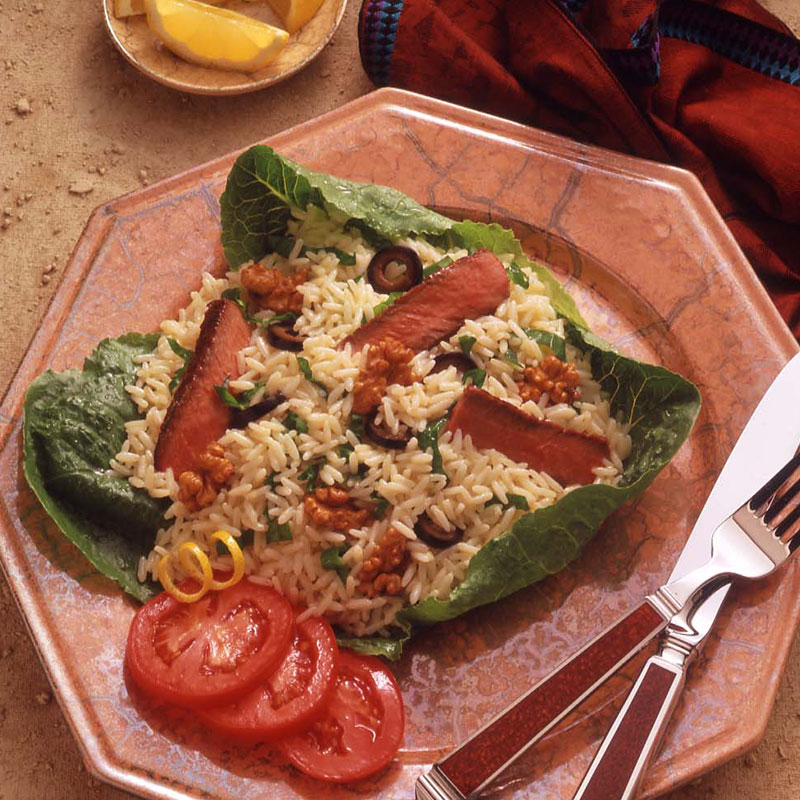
x,y
211,651
361,730
292,697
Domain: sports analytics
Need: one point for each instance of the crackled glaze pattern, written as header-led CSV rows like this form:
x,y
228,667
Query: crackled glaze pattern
x,y
136,42
655,272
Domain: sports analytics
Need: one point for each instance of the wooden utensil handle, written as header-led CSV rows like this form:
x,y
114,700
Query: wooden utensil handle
x,y
623,758
481,757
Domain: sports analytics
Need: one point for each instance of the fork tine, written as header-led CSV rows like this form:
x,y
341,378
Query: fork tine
x,y
782,501
763,495
789,525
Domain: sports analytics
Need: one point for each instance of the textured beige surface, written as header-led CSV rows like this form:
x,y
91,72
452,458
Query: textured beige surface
x,y
95,122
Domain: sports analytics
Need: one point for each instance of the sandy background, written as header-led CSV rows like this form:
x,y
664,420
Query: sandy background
x,y
74,114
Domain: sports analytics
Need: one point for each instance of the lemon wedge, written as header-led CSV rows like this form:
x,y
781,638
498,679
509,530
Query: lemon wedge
x,y
132,8
295,13
214,37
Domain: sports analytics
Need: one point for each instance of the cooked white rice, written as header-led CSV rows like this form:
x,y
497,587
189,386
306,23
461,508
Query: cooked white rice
x,y
269,458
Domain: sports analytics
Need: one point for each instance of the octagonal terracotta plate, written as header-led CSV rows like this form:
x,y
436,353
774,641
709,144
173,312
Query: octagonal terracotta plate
x,y
655,271
137,43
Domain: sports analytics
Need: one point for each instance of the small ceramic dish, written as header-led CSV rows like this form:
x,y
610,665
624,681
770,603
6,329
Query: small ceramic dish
x,y
138,44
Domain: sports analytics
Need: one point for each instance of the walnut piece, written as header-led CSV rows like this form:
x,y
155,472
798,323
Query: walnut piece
x,y
559,379
386,362
387,582
378,571
331,507
197,490
270,288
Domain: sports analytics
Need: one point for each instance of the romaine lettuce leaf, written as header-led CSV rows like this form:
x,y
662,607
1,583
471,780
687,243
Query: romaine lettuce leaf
x,y
263,186
390,647
73,426
661,405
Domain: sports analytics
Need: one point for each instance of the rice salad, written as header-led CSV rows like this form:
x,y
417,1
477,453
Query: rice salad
x,y
271,460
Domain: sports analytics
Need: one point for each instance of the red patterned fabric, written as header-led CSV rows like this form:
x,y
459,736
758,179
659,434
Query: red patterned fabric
x,y
737,129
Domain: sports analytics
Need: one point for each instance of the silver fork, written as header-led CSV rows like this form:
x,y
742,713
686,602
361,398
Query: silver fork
x,y
751,543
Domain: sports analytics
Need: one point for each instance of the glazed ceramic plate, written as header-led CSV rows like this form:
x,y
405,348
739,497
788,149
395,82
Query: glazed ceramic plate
x,y
137,43
654,270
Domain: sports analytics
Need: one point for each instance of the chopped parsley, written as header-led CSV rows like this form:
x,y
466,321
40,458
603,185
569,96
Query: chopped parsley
x,y
179,350
287,316
381,504
476,377
245,539
235,294
381,307
513,501
354,477
305,368
295,423
516,275
555,343
238,401
345,259
311,475
332,559
466,343
441,264
357,425
278,533
344,451
429,439
186,355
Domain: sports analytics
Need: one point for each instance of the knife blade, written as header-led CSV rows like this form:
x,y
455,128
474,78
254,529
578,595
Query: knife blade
x,y
766,443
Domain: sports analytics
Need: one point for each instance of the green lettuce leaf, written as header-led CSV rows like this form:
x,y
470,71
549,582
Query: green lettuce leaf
x,y
662,406
73,426
388,647
263,187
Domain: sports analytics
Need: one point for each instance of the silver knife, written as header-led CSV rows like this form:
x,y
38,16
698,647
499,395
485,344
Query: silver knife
x,y
766,444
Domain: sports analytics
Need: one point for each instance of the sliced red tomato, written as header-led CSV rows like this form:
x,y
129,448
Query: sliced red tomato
x,y
361,730
292,697
211,651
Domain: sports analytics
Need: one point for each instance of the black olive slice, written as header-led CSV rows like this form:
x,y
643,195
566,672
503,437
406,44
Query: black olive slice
x,y
283,336
376,271
241,418
383,436
432,534
458,360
